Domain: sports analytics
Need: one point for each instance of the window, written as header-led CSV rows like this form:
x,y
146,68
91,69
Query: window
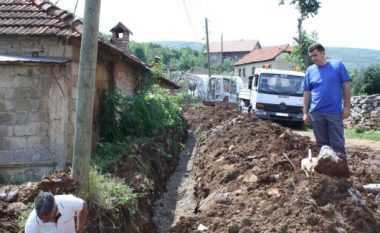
x,y
253,70
213,56
239,72
243,72
226,85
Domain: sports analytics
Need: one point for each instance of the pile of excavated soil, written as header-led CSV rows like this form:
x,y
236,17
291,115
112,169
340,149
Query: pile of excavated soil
x,y
249,179
13,198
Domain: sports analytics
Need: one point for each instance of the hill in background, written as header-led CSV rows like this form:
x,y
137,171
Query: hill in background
x,y
353,58
181,44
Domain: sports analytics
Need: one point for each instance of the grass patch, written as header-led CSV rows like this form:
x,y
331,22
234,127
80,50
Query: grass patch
x,y
361,134
109,194
21,218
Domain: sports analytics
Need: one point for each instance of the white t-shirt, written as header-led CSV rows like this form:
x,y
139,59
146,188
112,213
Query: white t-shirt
x,y
68,206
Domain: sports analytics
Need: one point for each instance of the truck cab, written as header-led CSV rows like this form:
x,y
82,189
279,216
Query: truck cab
x,y
275,95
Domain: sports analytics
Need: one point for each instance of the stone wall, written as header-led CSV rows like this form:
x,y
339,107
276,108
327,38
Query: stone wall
x,y
365,112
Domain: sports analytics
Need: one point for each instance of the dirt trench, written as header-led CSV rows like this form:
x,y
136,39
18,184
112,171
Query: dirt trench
x,y
245,183
235,178
179,199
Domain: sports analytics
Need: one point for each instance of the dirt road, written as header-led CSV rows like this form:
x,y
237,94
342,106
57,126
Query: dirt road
x,y
350,143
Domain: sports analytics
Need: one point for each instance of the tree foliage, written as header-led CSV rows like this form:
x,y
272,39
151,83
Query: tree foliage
x,y
306,8
183,59
366,81
296,56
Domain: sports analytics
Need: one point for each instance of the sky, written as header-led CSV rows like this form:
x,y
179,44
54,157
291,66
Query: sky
x,y
339,23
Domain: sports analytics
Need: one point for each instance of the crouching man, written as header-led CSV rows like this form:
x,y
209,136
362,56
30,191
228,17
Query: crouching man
x,y
55,214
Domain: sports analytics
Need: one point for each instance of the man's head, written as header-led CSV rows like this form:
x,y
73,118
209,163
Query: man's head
x,y
317,54
45,206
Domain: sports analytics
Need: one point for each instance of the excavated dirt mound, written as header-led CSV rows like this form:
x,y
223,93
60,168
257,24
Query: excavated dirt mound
x,y
14,197
249,179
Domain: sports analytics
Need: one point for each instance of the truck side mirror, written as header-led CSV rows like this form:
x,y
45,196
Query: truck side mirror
x,y
256,80
250,79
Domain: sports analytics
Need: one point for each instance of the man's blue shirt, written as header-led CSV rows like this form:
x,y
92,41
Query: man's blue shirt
x,y
325,84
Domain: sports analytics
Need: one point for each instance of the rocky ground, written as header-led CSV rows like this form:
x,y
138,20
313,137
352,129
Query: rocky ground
x,y
249,179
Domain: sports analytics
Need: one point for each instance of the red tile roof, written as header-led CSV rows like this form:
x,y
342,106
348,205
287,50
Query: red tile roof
x,y
234,46
265,54
36,17
43,18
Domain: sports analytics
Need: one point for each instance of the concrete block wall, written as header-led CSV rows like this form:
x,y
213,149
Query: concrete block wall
x,y
41,46
28,134
365,112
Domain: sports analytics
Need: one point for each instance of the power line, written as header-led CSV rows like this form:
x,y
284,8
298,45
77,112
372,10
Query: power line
x,y
75,8
188,17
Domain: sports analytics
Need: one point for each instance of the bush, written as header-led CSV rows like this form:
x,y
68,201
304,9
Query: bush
x,y
108,154
149,113
366,81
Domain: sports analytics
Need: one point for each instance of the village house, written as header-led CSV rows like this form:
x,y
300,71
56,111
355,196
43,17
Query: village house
x,y
39,60
271,57
231,50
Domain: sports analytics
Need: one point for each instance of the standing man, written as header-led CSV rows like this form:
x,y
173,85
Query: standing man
x,y
55,214
323,85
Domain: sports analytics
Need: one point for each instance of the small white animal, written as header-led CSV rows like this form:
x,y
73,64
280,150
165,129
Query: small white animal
x,y
309,163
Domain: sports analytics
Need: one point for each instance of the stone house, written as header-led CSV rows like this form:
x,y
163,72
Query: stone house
x,y
273,57
39,61
231,50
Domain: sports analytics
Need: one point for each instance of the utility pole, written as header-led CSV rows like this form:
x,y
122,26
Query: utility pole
x,y
221,50
86,92
208,50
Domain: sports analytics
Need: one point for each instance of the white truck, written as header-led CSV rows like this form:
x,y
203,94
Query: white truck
x,y
275,95
214,89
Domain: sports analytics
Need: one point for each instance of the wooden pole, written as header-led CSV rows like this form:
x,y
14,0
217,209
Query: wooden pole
x,y
86,92
221,49
208,50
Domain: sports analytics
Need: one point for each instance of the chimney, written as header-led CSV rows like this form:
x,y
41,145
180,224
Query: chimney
x,y
120,37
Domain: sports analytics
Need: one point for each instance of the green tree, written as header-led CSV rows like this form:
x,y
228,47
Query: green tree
x,y
226,68
366,81
138,50
296,56
306,8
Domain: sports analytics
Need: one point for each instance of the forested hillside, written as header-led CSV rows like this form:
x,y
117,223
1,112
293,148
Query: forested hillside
x,y
354,58
189,57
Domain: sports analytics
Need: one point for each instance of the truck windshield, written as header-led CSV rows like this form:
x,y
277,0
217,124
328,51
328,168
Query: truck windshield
x,y
280,84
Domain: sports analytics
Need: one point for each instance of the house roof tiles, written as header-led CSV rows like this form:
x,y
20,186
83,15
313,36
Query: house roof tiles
x,y
36,17
43,18
265,54
234,46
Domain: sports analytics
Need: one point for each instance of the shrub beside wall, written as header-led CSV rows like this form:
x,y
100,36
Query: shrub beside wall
x,y
365,112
